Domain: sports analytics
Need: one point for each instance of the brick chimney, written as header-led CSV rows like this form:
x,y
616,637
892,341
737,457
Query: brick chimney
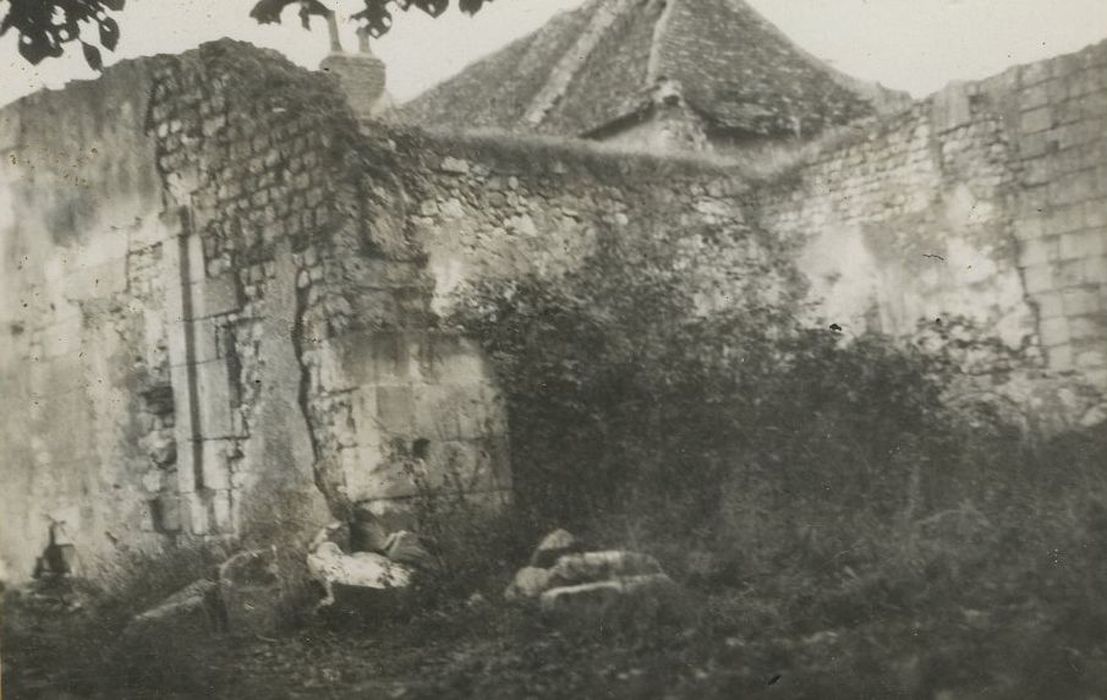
x,y
361,75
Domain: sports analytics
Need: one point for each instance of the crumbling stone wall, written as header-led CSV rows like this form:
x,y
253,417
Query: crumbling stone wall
x,y
221,292
988,200
490,209
84,364
215,326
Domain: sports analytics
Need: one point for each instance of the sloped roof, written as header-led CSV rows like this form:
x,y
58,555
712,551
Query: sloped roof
x,y
603,62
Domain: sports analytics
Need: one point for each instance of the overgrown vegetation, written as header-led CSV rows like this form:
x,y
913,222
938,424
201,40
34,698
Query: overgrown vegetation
x,y
850,517
857,510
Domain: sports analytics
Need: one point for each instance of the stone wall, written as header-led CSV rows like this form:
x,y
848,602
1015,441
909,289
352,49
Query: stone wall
x,y
214,324
221,293
485,209
987,200
86,417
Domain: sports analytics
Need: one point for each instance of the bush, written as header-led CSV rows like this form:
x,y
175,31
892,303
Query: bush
x,y
881,492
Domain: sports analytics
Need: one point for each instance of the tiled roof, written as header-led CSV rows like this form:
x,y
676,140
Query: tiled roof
x,y
602,62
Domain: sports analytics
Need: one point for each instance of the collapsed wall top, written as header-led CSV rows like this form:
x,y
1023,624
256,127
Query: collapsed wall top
x,y
589,71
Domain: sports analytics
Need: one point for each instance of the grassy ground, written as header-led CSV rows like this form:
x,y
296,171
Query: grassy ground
x,y
776,638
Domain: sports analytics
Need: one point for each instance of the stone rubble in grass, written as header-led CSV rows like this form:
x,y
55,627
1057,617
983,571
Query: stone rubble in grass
x,y
562,578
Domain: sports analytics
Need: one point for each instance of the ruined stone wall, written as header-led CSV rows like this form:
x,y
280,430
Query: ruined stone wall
x,y
489,209
214,325
86,415
221,294
986,200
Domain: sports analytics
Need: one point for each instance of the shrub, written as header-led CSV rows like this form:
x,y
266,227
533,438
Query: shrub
x,y
891,491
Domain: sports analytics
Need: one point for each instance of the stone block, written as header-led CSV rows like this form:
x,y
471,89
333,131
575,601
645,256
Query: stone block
x,y
470,465
215,296
1038,278
251,586
202,333
951,107
363,412
1035,96
1090,359
496,406
392,358
370,475
1074,188
1029,228
1035,73
1069,273
1037,251
1034,120
396,409
1038,172
1081,301
590,567
454,166
213,393
333,372
215,468
192,253
436,412
1088,327
166,511
1054,331
197,507
1037,145
1095,270
1060,359
191,610
1065,219
222,513
1082,245
643,597
458,360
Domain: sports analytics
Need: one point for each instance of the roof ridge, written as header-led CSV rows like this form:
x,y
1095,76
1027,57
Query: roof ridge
x,y
653,66
570,63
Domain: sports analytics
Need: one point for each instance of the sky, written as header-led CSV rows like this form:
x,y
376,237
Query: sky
x,y
913,45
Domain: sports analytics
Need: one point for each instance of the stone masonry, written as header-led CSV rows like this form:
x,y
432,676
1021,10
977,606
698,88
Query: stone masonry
x,y
221,292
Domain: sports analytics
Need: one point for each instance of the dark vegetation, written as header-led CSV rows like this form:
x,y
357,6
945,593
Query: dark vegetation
x,y
847,518
44,27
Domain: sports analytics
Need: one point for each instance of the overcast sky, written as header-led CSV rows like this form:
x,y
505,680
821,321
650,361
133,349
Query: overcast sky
x,y
916,45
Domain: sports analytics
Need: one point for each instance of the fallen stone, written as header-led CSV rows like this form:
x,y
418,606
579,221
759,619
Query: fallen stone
x,y
530,582
251,590
552,547
331,567
367,534
404,547
590,567
640,597
195,607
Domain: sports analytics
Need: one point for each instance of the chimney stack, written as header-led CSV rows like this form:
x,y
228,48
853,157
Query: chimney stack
x,y
361,75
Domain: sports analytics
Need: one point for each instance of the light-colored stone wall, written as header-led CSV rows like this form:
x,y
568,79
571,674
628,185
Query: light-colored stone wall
x,y
86,415
987,200
187,242
488,210
220,293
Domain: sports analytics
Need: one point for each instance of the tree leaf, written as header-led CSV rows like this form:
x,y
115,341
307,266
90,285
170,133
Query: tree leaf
x,y
33,50
269,11
109,33
92,56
